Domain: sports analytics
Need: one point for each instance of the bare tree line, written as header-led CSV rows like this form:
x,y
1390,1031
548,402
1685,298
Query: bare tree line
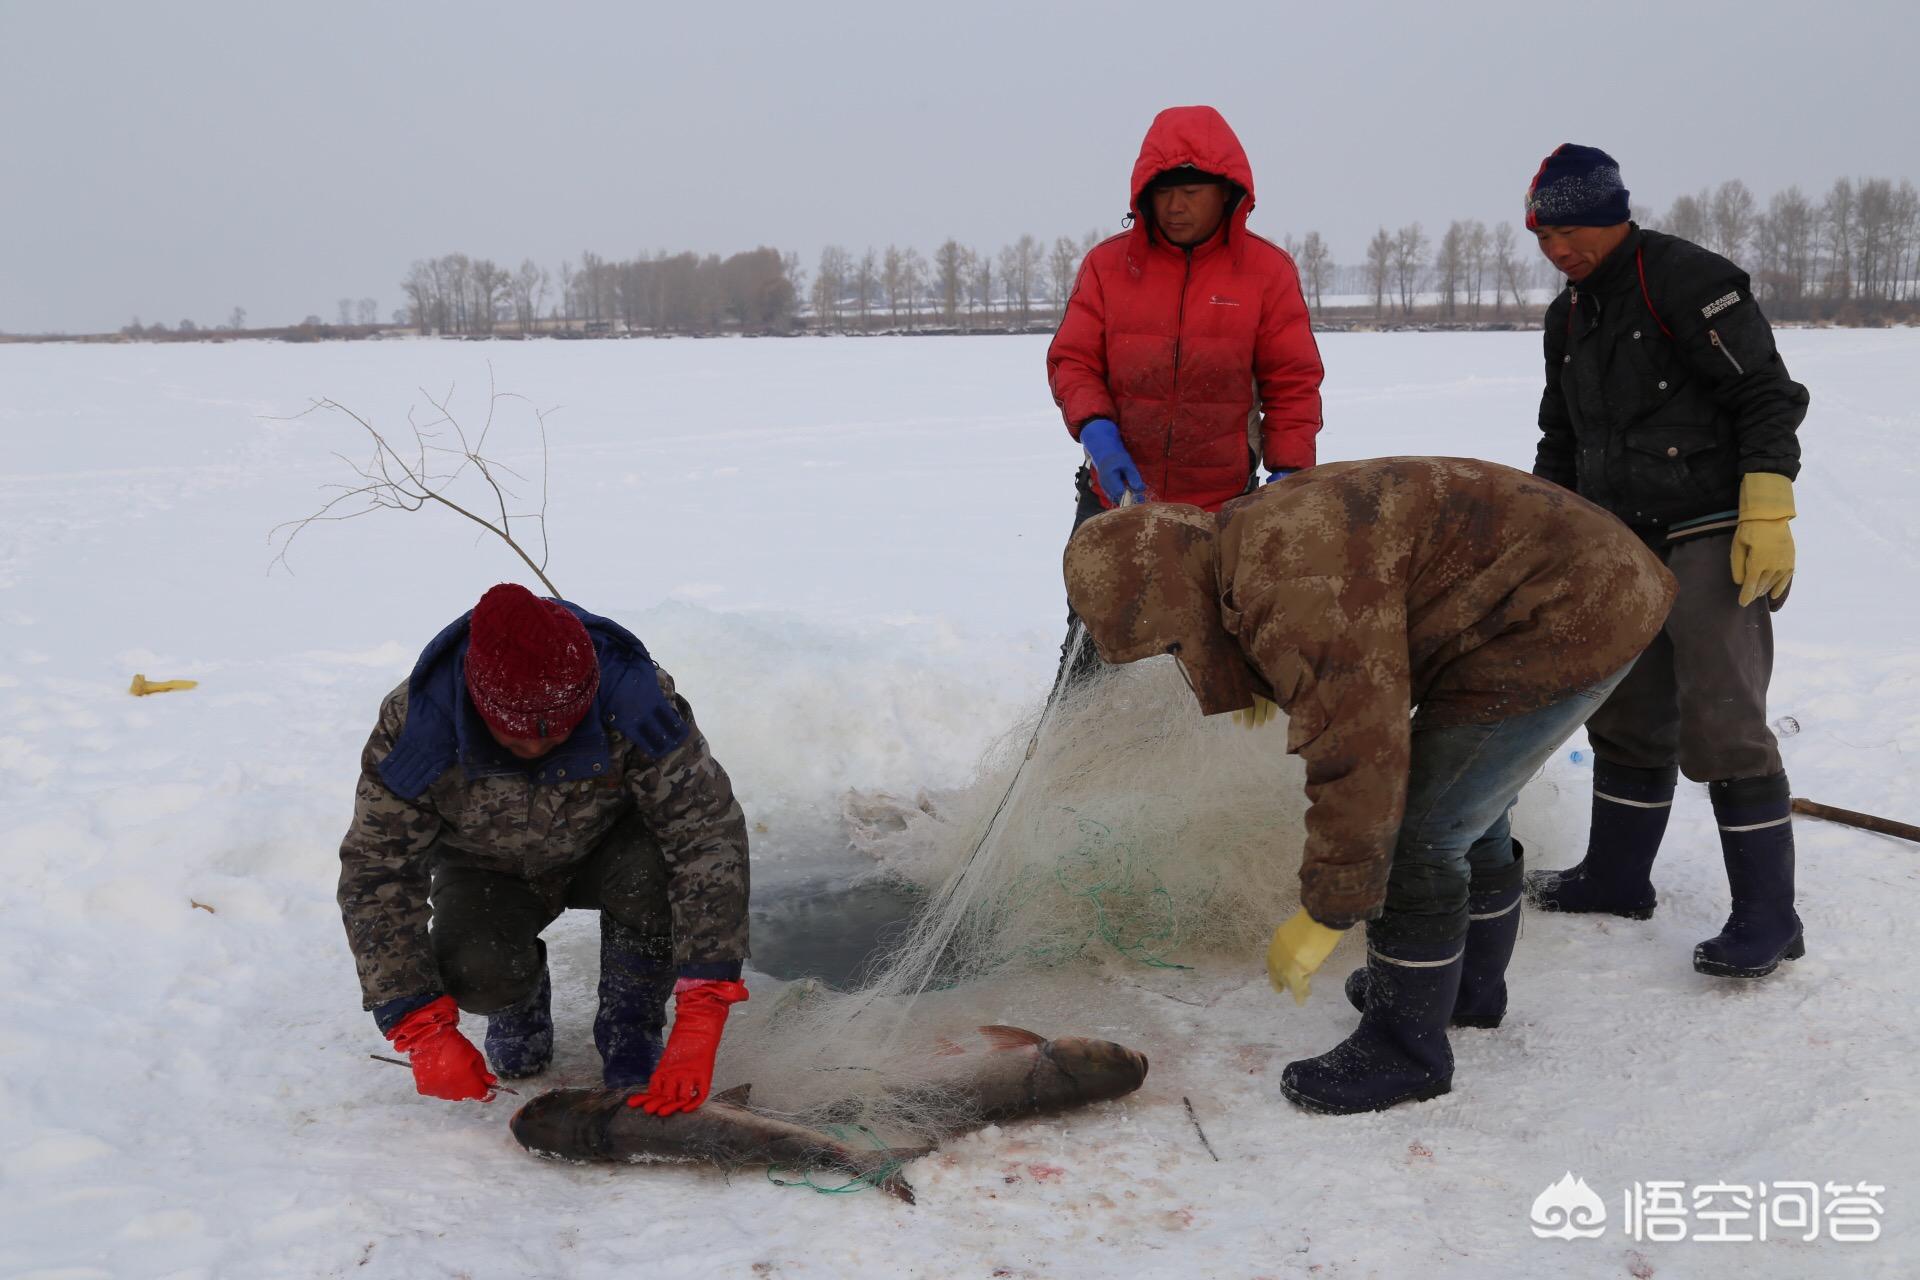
x,y
1852,255
1856,250
1475,273
959,288
753,292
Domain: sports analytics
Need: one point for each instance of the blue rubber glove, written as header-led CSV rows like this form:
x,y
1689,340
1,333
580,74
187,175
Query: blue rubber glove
x,y
1278,475
1118,475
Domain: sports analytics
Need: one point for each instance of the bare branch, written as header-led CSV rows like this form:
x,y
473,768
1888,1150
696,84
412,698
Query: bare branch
x,y
472,451
397,481
540,420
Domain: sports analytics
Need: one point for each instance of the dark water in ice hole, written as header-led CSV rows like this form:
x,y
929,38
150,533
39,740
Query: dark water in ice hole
x,y
828,928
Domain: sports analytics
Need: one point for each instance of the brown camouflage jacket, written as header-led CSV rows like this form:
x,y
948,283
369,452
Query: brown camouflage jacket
x,y
533,828
1356,591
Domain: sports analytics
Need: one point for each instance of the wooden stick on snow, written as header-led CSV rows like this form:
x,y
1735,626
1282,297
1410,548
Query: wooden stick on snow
x,y
1864,821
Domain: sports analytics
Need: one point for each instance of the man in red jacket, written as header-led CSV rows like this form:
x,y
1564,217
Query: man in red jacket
x,y
1179,332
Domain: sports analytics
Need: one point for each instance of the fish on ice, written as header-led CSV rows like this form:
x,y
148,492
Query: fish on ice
x,y
598,1125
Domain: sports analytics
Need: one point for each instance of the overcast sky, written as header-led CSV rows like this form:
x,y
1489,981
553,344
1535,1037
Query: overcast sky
x,y
178,159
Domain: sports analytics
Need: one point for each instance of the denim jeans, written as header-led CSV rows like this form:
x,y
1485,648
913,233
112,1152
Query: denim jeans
x,y
1461,785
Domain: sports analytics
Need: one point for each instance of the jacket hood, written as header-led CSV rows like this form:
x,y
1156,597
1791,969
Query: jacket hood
x,y
1145,580
1197,136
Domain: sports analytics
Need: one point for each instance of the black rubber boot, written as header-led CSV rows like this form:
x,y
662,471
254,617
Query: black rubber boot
x,y
1630,810
1399,1052
636,977
1493,907
1756,842
520,1037
1493,910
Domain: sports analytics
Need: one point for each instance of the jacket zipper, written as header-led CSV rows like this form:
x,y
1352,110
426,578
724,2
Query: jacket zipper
x,y
1713,336
1179,328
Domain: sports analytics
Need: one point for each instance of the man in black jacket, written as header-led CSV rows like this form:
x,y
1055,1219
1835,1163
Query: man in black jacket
x,y
1667,403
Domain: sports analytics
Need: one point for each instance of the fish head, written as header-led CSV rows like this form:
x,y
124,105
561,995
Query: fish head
x,y
572,1123
1097,1069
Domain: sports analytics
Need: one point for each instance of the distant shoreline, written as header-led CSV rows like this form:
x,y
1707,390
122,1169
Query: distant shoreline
x,y
1335,323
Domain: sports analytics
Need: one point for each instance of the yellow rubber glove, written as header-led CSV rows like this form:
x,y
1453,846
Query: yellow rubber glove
x,y
1261,712
1299,948
1762,543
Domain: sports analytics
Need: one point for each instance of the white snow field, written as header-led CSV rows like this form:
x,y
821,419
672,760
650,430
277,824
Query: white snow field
x,y
847,552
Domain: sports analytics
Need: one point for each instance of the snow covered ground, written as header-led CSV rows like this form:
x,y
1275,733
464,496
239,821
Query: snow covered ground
x,y
847,552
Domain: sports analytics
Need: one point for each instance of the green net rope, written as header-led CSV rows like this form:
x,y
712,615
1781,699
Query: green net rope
x,y
859,1182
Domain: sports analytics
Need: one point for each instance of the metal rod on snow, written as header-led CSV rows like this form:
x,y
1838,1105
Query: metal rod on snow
x,y
1202,1132
402,1062
1864,821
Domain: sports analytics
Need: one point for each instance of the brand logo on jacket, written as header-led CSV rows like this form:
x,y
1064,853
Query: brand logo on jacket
x,y
1718,305
1219,301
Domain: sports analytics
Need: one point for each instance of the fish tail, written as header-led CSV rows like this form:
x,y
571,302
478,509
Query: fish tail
x,y
884,1170
897,1186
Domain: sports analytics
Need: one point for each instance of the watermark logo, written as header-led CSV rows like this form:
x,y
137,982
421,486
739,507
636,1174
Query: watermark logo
x,y
1665,1210
1569,1210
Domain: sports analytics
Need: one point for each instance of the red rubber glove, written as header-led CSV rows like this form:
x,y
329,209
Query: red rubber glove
x,y
684,1077
445,1063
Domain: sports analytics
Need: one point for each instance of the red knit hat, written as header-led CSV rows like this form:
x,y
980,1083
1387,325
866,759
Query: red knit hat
x,y
531,671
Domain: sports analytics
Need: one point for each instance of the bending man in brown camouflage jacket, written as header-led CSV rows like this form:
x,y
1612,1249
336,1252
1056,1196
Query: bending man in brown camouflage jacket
x,y
536,759
1496,608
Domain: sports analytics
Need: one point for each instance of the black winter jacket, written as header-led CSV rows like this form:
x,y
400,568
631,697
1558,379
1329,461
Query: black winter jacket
x,y
1663,389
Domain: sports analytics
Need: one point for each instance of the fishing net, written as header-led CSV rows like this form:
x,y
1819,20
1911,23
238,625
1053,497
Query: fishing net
x,y
1114,839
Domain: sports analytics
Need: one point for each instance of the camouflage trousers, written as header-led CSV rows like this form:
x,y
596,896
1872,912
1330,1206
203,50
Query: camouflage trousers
x,y
486,924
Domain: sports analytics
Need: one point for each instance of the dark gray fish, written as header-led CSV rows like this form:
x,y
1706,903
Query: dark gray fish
x,y
1025,1074
598,1125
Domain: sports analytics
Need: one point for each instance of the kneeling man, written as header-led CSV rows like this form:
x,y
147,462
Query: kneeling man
x,y
536,760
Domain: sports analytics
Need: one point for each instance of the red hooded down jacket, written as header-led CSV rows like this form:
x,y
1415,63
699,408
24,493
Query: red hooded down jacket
x,y
1172,343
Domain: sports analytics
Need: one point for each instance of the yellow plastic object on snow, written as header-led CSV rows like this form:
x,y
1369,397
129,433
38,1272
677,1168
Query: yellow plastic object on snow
x,y
1299,948
142,686
1261,712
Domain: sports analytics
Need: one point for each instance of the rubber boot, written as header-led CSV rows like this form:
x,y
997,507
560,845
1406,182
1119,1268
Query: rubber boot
x,y
1756,842
1630,810
1493,926
520,1037
1399,1052
636,977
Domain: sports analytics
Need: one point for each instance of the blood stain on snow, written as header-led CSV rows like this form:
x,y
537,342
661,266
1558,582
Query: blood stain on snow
x,y
1417,1150
1046,1172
